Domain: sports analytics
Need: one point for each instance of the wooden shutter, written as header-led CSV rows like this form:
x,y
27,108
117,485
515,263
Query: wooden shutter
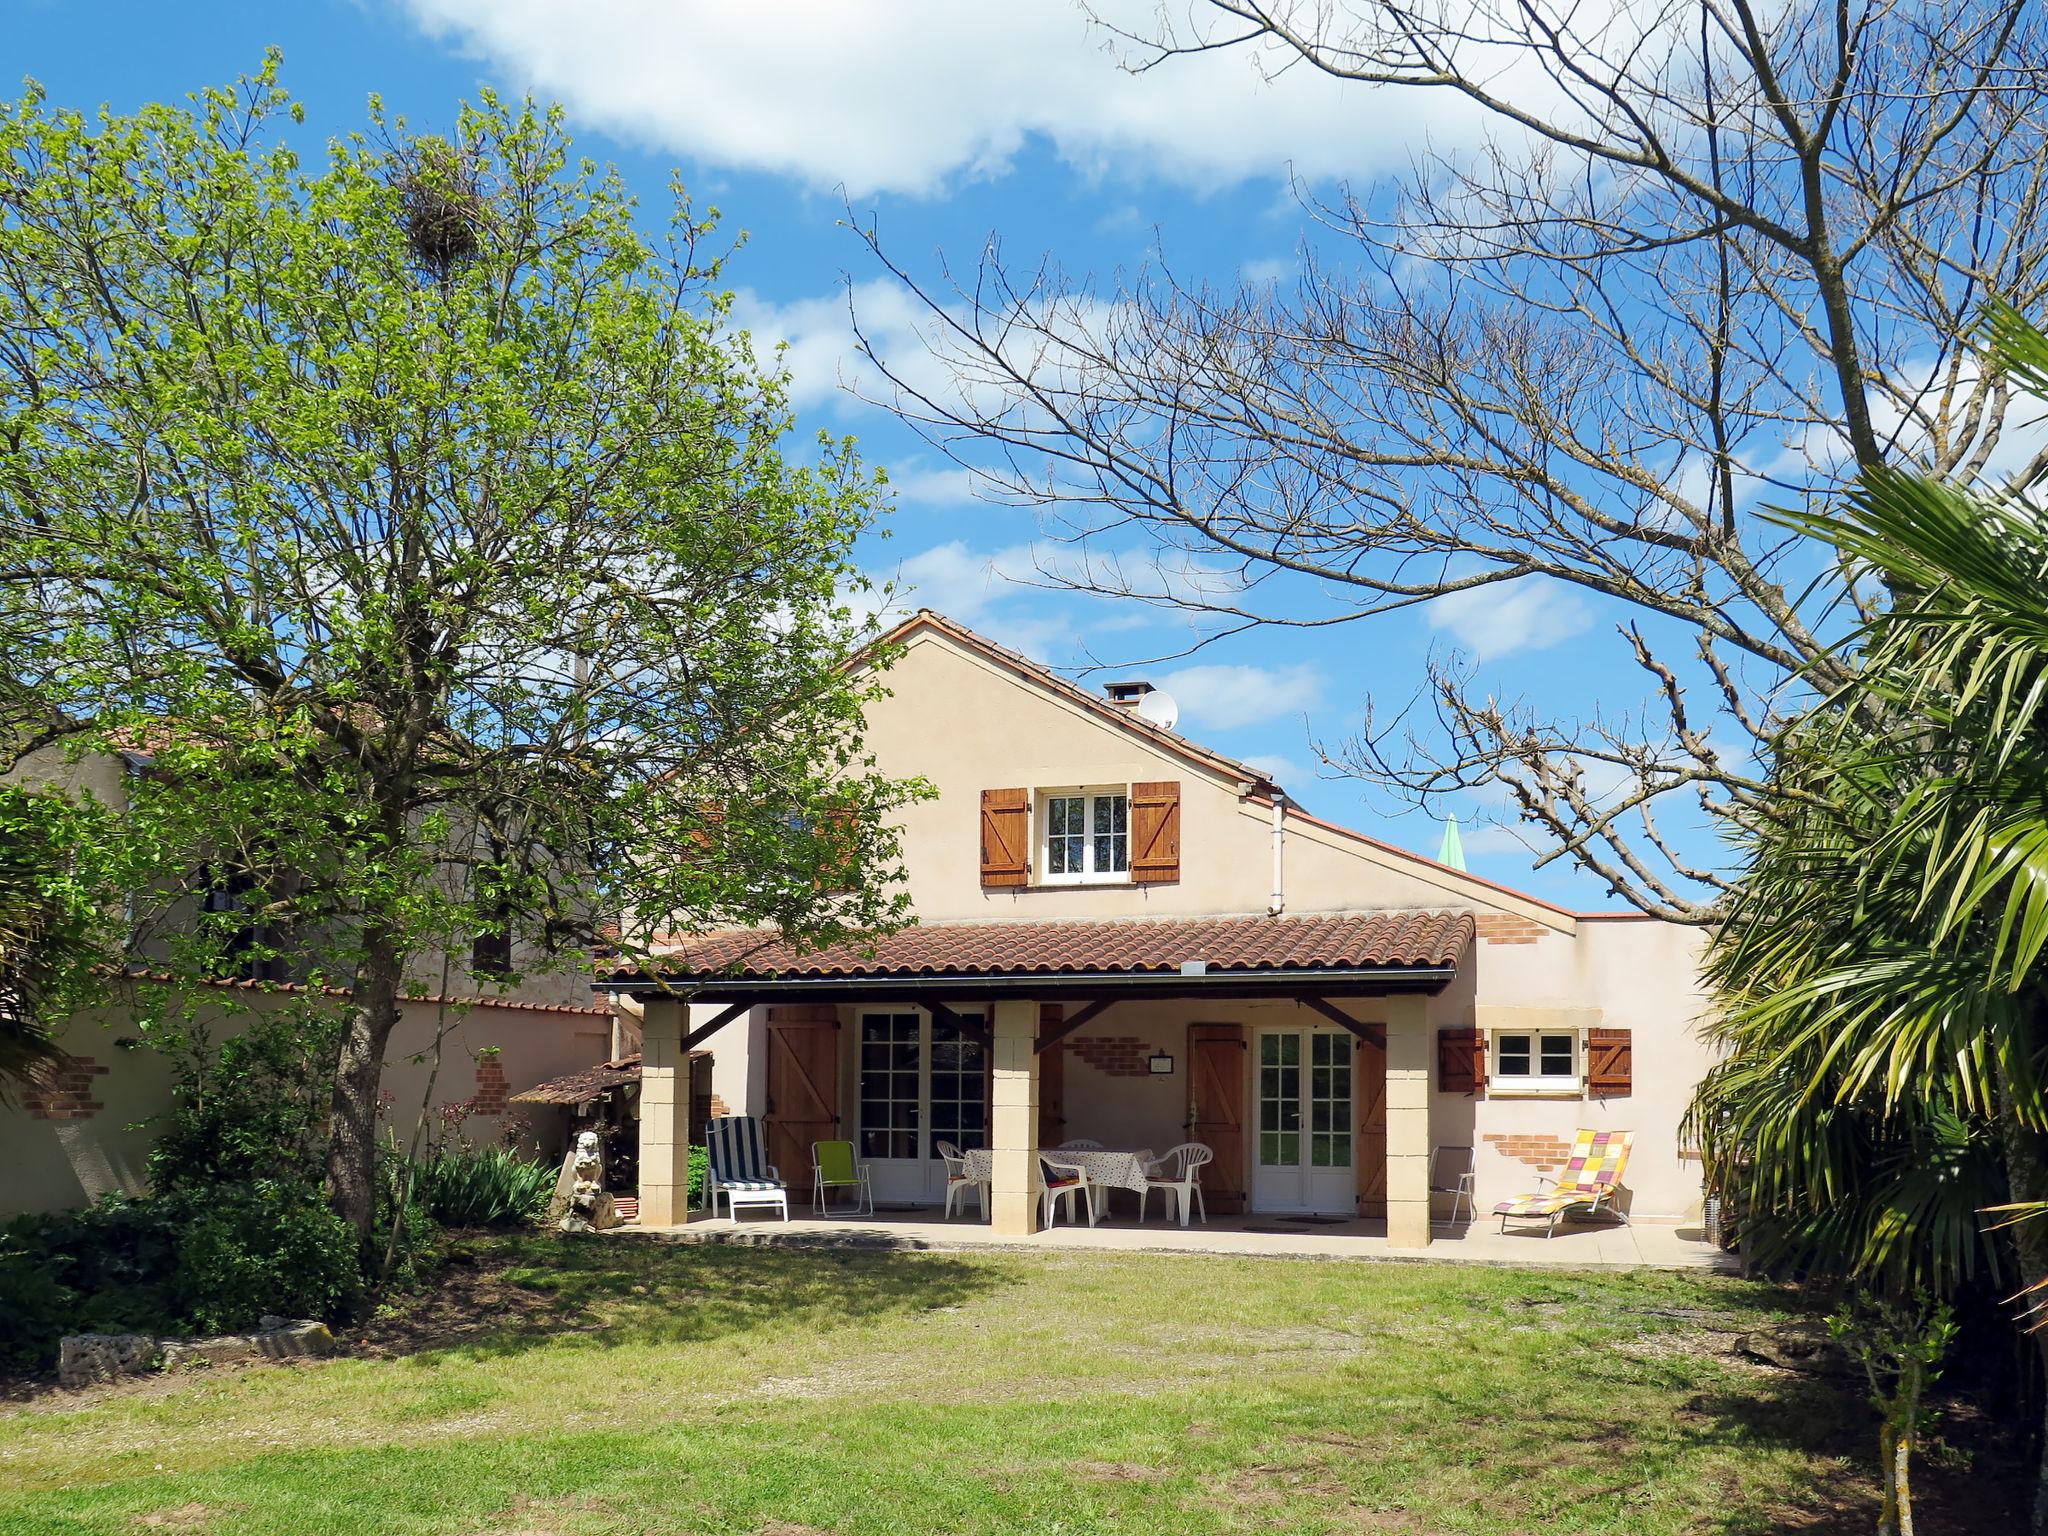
x,y
1216,1092
803,1086
842,872
1005,837
1369,1150
1460,1060
1155,833
1610,1063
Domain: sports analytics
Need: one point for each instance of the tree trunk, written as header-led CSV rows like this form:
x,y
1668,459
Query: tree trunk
x,y
352,1118
1894,1516
2026,1177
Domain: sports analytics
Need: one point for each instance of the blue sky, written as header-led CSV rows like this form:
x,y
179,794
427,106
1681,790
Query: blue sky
x,y
946,124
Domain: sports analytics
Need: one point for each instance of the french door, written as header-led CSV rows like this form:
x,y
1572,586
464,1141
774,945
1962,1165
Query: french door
x,y
1303,1102
920,1082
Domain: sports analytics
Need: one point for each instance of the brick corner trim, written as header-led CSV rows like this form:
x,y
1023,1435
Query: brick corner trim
x,y
491,1092
1503,928
1546,1154
1114,1055
64,1091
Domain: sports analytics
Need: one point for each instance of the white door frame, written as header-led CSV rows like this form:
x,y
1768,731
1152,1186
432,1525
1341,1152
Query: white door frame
x,y
919,1180
1302,1187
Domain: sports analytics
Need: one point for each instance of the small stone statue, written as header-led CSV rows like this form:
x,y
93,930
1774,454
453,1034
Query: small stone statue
x,y
588,1208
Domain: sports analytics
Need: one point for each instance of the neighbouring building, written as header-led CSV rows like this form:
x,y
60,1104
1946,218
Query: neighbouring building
x,y
1125,936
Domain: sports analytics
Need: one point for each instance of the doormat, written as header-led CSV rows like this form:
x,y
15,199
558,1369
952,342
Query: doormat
x,y
1268,1231
1315,1221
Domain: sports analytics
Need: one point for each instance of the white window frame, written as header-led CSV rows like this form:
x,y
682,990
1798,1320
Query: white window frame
x,y
1536,1083
1087,874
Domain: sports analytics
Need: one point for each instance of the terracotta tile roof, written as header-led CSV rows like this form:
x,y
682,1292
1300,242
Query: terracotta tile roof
x,y
432,999
1338,941
575,1087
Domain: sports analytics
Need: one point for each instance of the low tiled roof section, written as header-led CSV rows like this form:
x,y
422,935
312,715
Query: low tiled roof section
x,y
576,1087
1339,941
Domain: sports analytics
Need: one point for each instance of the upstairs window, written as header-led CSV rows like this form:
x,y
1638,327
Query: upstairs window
x,y
1087,837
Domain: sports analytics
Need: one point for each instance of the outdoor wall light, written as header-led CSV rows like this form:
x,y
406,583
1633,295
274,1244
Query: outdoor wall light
x,y
1160,1063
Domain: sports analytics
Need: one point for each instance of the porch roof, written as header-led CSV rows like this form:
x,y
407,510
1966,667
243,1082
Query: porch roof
x,y
1356,953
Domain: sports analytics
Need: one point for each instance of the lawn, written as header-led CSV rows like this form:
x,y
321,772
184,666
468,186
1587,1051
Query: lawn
x,y
559,1387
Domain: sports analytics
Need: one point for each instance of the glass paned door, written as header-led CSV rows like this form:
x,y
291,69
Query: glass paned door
x,y
921,1082
1306,1122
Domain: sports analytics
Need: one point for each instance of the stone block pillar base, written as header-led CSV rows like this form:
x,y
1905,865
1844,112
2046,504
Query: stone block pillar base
x,y
1408,1128
664,1115
1013,1135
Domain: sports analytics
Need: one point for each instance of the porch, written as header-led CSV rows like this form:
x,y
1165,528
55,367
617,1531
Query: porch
x,y
1590,1245
1302,1046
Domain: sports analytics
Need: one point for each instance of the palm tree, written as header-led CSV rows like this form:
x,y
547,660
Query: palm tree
x,y
1882,1011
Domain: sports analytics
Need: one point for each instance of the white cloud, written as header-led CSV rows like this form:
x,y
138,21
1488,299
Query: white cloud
x,y
1284,771
911,95
1527,614
1223,696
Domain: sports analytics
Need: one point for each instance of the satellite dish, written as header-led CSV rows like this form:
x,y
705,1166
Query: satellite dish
x,y
1158,708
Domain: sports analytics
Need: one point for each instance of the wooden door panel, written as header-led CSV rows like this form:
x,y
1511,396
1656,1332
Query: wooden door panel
x,y
1052,1095
1216,1089
803,1087
1370,1154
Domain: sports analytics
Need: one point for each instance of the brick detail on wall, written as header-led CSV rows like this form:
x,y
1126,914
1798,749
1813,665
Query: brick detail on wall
x,y
64,1090
1546,1154
490,1085
1500,928
1114,1055
719,1107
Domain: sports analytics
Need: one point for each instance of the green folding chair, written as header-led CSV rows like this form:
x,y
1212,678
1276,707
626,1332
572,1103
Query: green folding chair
x,y
833,1166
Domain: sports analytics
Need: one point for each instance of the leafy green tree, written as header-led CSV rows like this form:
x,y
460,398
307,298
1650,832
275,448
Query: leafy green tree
x,y
432,538
1883,1005
54,938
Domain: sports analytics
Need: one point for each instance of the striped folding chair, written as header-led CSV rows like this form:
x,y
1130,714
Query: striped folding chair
x,y
740,1169
1587,1184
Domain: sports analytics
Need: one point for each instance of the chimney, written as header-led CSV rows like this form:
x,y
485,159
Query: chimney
x,y
1126,694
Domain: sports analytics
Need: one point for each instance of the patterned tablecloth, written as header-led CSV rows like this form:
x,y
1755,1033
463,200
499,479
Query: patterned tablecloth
x,y
1107,1166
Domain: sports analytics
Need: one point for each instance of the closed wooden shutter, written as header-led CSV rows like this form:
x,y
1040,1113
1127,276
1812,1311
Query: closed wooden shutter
x,y
1370,1150
803,1086
1460,1060
1216,1105
1610,1063
1005,837
1155,833
842,872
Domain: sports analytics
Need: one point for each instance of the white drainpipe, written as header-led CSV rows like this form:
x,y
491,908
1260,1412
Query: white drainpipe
x,y
1279,901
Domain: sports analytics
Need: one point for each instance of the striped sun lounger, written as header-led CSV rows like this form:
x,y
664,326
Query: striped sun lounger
x,y
1588,1183
740,1170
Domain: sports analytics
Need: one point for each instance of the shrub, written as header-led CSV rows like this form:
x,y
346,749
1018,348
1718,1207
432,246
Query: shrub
x,y
488,1187
35,1308
270,1246
700,1172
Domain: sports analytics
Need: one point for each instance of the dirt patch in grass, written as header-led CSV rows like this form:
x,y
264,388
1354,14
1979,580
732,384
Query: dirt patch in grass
x,y
185,1517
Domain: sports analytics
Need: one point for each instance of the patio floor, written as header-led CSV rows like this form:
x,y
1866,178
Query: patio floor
x,y
1588,1245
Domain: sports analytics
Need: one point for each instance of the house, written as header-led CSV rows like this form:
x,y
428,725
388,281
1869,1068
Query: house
x,y
86,1130
1125,936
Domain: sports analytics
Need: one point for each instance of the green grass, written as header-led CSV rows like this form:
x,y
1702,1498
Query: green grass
x,y
601,1386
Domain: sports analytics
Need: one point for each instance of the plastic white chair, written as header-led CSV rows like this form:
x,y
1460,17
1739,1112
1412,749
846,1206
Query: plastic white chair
x,y
1458,1184
1183,1164
1066,1181
1079,1144
957,1180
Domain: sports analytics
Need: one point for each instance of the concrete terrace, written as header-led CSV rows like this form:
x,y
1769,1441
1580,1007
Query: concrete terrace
x,y
1587,1245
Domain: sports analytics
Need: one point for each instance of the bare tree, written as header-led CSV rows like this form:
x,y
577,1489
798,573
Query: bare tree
x,y
1713,256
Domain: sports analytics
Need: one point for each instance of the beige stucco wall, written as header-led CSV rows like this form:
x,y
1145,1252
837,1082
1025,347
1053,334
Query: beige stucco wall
x,y
969,722
56,1164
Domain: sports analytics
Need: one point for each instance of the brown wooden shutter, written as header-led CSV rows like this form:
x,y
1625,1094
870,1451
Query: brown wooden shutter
x,y
1005,837
1052,1080
1610,1063
1460,1060
1155,833
842,873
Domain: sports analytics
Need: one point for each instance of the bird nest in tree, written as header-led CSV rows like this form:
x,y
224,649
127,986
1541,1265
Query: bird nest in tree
x,y
445,212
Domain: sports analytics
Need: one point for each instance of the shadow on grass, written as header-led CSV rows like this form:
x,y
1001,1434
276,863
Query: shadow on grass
x,y
501,1296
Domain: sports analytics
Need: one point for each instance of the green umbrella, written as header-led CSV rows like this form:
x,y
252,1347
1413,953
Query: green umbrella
x,y
1453,850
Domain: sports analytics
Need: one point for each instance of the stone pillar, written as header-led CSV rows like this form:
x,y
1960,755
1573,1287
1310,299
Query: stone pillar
x,y
1408,1132
664,1115
1013,1138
